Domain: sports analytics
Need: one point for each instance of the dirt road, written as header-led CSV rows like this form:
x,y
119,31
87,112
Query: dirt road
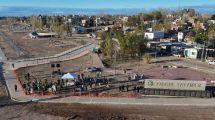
x,y
42,111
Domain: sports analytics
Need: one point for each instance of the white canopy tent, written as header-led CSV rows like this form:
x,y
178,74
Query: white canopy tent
x,y
70,76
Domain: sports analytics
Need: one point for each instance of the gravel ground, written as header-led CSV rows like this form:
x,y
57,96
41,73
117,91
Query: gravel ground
x,y
42,111
7,49
177,74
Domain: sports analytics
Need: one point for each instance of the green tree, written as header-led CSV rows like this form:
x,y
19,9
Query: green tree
x,y
156,15
133,20
58,28
200,37
36,23
132,44
211,30
213,17
109,46
147,58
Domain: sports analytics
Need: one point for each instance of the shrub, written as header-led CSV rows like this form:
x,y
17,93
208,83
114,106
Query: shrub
x,y
147,58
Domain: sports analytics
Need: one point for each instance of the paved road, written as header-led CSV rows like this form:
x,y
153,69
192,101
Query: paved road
x,y
67,55
2,56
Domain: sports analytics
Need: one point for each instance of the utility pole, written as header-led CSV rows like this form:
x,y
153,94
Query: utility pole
x,y
203,50
206,54
156,51
111,43
115,63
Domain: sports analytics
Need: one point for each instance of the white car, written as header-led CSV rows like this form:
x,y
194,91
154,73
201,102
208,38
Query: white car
x,y
211,62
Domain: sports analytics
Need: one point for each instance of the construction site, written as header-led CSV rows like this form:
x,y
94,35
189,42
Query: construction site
x,y
33,70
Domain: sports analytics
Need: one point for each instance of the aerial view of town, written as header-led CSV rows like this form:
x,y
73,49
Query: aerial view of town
x,y
107,60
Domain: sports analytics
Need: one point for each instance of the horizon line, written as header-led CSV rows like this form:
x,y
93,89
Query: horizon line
x,y
211,6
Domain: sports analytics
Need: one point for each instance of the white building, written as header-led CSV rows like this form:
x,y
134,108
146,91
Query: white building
x,y
154,35
180,36
192,53
125,19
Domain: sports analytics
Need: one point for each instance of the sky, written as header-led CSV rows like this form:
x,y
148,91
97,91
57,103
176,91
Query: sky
x,y
106,3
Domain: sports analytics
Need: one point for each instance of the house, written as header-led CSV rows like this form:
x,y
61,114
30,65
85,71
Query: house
x,y
125,19
174,47
84,22
100,21
127,30
192,53
154,35
152,45
78,29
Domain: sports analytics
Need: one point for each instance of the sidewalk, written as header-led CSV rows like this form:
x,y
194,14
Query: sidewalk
x,y
11,81
19,95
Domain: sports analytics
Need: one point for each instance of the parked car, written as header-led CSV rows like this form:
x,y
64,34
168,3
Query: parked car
x,y
178,55
211,62
93,69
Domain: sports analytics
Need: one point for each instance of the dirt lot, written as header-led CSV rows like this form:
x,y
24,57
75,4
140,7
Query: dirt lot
x,y
155,71
7,49
44,71
177,74
3,94
39,47
42,111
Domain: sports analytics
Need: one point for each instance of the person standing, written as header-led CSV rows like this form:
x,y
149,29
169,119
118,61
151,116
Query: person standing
x,y
124,71
13,65
15,87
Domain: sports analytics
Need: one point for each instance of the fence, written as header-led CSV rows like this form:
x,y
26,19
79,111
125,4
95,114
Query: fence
x,y
179,93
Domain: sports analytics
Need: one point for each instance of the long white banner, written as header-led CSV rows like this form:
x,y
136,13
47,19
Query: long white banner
x,y
175,84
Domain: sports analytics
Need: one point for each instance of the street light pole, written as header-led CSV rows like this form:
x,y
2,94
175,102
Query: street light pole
x,y
156,51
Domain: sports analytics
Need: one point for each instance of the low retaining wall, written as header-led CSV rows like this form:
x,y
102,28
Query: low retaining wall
x,y
179,93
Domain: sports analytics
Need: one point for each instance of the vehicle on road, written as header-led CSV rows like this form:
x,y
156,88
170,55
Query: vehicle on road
x,y
93,69
211,62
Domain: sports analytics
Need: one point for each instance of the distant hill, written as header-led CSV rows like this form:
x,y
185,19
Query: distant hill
x,y
28,11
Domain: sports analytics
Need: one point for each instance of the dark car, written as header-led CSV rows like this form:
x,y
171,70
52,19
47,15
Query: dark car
x,y
93,69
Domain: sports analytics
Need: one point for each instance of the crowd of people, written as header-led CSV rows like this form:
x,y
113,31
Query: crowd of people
x,y
81,83
46,86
